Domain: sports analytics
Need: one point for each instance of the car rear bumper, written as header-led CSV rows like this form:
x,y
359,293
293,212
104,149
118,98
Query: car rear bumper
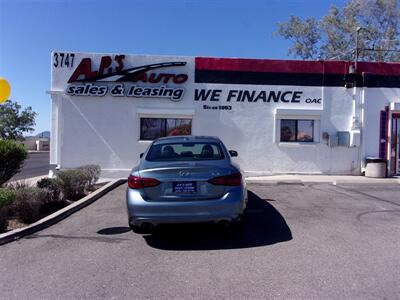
x,y
229,207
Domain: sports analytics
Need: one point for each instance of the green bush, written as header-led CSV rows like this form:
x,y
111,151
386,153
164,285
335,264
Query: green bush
x,y
7,197
52,187
28,202
93,174
12,156
73,183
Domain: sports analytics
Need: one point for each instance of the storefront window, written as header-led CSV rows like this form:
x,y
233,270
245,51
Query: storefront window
x,y
297,130
153,128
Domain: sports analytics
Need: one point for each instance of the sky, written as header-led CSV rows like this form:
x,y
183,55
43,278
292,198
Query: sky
x,y
30,30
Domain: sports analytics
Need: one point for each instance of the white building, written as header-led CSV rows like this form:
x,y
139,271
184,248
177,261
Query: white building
x,y
282,116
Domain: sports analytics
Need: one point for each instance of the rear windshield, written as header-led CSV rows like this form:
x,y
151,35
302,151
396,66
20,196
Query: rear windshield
x,y
185,152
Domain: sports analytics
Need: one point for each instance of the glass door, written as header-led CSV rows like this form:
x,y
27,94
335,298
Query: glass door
x,y
395,147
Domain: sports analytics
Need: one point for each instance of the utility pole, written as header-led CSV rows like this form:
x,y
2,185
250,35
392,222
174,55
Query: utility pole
x,y
357,48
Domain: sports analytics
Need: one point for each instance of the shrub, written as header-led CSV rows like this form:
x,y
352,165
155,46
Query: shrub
x,y
28,202
52,187
20,184
93,173
46,183
12,156
72,183
7,197
3,219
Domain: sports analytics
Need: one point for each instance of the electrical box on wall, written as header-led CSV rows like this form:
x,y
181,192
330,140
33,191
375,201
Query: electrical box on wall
x,y
355,138
343,138
333,140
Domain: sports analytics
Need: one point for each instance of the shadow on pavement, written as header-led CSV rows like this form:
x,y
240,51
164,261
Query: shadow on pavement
x,y
264,226
113,230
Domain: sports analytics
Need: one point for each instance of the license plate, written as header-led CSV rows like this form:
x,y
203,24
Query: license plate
x,y
184,187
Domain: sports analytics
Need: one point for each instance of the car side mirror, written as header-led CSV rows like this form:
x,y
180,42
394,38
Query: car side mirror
x,y
141,155
233,153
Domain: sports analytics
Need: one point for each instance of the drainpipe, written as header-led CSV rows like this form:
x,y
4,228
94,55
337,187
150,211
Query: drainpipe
x,y
356,118
355,125
355,132
358,105
362,121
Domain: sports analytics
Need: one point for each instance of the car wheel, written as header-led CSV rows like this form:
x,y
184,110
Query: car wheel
x,y
224,225
240,221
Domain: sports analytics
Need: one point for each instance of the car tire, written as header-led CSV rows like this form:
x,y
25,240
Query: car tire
x,y
240,221
224,225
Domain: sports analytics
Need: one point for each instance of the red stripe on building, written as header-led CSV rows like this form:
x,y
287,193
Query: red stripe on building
x,y
294,66
379,68
270,66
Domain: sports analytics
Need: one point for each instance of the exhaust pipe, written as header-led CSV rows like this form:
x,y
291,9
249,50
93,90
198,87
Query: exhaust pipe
x,y
147,227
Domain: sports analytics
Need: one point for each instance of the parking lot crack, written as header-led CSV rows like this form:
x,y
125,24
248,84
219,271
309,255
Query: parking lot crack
x,y
359,216
89,238
371,197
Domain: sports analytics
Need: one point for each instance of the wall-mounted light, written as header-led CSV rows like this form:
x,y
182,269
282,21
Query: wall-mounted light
x,y
349,78
351,69
348,85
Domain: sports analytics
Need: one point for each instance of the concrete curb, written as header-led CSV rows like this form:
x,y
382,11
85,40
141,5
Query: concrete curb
x,y
40,151
60,214
30,180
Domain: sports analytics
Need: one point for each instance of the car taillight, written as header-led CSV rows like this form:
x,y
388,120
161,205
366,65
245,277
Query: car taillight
x,y
229,180
135,182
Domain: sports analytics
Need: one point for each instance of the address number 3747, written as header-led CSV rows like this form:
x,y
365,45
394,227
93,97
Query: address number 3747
x,y
61,60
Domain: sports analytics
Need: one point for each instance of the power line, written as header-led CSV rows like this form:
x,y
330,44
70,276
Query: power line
x,y
380,50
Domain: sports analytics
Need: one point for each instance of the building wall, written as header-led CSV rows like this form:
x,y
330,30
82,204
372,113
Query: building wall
x,y
105,130
376,99
31,143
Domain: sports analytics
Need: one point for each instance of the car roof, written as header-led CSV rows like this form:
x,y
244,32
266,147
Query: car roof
x,y
187,138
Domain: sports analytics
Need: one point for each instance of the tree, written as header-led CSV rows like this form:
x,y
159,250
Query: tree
x,y
14,121
334,35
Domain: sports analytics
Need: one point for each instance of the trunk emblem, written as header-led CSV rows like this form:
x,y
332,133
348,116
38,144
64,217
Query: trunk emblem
x,y
184,173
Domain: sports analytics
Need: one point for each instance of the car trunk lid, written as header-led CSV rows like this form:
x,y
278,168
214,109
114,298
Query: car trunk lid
x,y
186,181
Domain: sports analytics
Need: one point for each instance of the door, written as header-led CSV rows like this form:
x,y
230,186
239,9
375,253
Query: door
x,y
395,146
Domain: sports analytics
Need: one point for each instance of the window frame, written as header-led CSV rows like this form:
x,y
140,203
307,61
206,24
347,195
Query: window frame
x,y
297,114
164,125
296,140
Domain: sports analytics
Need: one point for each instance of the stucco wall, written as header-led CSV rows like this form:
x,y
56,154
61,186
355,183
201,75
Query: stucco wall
x,y
105,130
375,100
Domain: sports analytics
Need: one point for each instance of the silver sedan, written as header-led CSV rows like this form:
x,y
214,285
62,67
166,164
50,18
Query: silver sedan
x,y
185,179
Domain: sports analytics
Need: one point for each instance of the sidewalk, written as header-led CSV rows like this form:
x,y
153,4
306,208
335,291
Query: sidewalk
x,y
333,179
28,181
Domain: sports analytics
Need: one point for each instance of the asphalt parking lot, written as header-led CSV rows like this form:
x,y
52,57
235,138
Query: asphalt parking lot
x,y
311,241
36,164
